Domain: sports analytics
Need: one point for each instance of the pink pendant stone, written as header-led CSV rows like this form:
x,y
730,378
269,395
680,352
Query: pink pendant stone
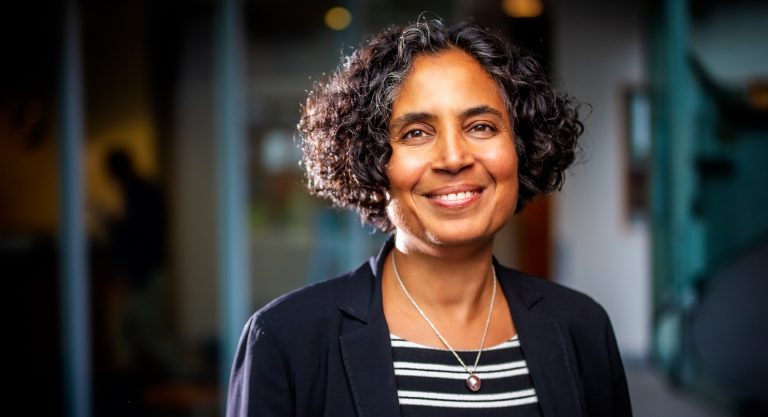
x,y
473,383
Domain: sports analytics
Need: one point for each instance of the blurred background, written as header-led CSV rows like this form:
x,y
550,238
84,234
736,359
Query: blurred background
x,y
151,198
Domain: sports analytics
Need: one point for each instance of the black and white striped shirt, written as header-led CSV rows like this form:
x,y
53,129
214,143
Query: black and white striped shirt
x,y
431,382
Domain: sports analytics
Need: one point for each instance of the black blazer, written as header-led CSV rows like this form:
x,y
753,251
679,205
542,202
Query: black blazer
x,y
324,350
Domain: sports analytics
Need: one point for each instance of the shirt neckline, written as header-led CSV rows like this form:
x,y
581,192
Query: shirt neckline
x,y
394,337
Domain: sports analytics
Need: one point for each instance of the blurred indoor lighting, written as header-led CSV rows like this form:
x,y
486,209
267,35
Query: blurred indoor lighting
x,y
758,94
522,8
338,18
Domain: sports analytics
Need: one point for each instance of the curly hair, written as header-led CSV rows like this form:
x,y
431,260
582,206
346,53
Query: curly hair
x,y
343,131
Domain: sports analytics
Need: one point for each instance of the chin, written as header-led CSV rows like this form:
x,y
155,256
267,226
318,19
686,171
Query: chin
x,y
442,232
460,236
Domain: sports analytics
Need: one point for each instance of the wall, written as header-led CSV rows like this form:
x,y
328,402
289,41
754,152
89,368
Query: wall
x,y
598,51
193,212
730,41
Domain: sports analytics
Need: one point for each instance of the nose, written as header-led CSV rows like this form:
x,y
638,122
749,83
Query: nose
x,y
454,153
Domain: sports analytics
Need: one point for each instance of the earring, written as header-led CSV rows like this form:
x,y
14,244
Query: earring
x,y
377,197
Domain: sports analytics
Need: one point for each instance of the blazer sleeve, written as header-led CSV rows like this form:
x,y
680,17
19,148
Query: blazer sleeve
x,y
259,385
621,403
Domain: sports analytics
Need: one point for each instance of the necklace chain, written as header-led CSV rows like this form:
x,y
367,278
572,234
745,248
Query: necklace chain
x,y
442,339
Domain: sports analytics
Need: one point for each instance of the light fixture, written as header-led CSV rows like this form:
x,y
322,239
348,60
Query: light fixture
x,y
522,8
337,18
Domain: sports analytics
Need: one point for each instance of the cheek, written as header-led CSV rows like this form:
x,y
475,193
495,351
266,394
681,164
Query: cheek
x,y
403,172
502,164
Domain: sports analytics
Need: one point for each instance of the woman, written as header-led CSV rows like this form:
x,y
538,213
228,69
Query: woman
x,y
438,135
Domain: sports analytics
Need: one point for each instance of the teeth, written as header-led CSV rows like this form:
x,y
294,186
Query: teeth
x,y
456,196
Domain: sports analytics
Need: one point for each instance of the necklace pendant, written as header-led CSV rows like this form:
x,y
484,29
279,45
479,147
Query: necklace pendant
x,y
474,383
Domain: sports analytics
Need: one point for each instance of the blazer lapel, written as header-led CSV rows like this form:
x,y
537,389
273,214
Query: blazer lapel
x,y
367,352
365,344
551,360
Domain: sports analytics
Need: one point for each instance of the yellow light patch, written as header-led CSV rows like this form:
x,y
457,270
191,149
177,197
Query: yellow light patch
x,y
338,18
522,8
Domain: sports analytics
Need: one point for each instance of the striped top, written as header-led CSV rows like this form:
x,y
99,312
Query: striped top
x,y
431,382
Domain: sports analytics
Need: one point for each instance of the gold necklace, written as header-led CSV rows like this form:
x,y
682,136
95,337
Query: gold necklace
x,y
473,381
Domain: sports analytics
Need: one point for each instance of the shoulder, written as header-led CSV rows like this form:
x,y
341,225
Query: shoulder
x,y
281,350
567,304
304,323
289,328
304,306
585,330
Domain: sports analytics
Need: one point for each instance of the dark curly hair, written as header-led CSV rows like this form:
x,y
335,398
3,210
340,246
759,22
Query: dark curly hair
x,y
343,131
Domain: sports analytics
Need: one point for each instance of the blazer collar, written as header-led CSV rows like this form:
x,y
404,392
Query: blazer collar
x,y
367,351
514,286
365,344
548,353
362,296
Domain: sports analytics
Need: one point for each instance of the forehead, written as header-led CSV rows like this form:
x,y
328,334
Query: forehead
x,y
451,62
449,78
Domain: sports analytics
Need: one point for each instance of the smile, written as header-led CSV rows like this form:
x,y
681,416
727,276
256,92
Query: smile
x,y
452,197
455,197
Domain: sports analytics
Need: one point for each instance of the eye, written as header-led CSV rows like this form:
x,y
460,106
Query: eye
x,y
415,133
482,130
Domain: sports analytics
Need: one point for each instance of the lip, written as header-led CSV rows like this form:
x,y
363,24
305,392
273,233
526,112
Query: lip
x,y
454,196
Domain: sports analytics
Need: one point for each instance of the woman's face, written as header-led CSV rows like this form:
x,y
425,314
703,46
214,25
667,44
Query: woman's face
x,y
453,169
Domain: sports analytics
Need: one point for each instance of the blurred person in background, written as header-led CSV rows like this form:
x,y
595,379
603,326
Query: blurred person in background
x,y
133,321
138,234
437,135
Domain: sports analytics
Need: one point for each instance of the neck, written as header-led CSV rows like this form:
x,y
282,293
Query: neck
x,y
455,279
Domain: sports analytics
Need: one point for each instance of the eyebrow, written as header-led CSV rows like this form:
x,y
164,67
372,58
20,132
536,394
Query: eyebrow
x,y
425,116
475,111
410,118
